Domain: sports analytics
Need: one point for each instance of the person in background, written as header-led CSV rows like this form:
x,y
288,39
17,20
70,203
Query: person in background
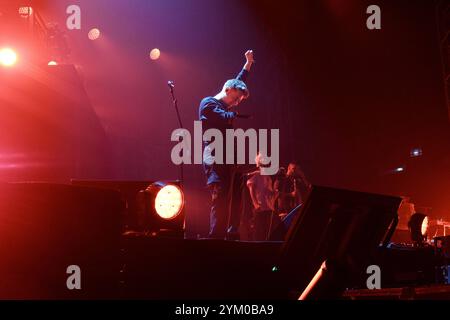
x,y
405,211
262,195
291,188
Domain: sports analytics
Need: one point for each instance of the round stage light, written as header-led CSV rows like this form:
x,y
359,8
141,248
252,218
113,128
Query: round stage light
x,y
7,57
53,63
25,12
424,226
418,227
160,209
155,54
169,202
416,152
94,34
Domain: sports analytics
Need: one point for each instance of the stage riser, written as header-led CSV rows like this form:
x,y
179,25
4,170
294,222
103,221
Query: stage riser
x,y
44,228
203,269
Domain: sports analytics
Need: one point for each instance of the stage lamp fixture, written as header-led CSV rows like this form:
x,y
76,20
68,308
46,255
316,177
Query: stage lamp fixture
x,y
25,12
94,34
155,54
169,202
418,227
161,209
416,152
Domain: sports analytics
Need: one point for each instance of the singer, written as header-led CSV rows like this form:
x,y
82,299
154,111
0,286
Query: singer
x,y
217,112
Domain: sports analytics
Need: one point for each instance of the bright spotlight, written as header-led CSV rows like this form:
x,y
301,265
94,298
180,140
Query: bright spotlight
x,y
7,57
416,152
424,227
53,63
169,202
161,209
418,227
155,54
94,34
25,12
399,169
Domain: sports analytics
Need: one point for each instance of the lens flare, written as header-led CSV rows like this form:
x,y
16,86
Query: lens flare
x,y
7,57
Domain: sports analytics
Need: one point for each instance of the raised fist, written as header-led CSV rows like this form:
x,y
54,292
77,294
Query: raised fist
x,y
249,56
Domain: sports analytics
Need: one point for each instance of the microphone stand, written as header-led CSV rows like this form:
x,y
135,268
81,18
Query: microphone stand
x,y
175,104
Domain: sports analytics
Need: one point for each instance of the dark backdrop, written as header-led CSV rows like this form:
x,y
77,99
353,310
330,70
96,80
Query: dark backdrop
x,y
350,102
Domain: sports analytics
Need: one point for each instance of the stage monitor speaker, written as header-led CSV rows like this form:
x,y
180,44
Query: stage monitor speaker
x,y
140,214
341,227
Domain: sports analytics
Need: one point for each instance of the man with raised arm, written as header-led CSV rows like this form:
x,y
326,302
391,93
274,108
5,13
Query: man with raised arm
x,y
218,113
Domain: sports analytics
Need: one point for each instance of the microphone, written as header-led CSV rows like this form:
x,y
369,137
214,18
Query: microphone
x,y
171,84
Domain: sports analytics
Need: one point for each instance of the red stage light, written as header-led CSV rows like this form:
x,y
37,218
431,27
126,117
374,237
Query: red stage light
x,y
25,12
7,57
